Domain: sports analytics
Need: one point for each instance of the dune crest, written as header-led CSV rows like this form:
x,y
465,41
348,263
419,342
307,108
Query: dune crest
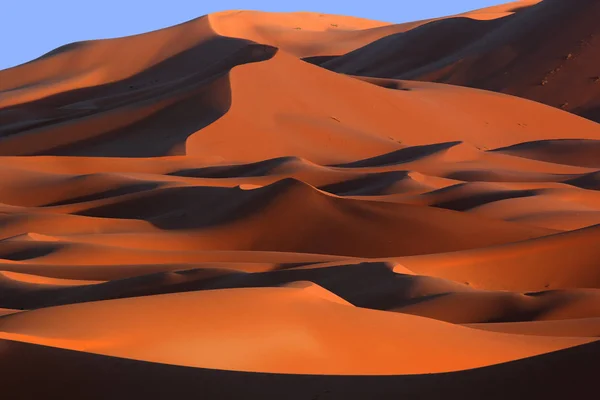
x,y
288,330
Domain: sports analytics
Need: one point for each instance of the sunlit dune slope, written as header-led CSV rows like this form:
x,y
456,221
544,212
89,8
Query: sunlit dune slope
x,y
306,206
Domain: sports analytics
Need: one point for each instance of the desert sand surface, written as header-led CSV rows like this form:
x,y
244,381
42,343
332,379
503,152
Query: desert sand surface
x,y
507,49
306,206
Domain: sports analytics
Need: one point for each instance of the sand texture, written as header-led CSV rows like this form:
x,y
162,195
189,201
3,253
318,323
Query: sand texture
x,y
305,206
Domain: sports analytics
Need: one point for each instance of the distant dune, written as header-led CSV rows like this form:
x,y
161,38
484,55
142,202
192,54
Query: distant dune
x,y
508,52
306,206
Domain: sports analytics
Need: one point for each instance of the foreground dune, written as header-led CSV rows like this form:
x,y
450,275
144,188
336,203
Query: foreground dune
x,y
285,330
254,205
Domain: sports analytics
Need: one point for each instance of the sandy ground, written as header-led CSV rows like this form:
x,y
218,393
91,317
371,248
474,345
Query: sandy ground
x,y
252,205
505,49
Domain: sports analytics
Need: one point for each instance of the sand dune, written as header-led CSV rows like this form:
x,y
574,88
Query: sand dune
x,y
555,375
526,266
571,152
510,53
268,205
587,327
287,330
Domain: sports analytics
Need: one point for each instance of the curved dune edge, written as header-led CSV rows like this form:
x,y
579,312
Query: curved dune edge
x,y
8,311
363,131
546,376
43,280
569,260
583,327
286,330
340,34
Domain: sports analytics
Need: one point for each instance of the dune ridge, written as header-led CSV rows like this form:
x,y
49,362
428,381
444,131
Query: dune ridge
x,y
506,52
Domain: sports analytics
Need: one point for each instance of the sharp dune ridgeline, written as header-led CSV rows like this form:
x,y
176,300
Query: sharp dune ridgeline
x,y
306,206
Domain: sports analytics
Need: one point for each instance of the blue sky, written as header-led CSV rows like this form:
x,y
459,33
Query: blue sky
x,y
30,28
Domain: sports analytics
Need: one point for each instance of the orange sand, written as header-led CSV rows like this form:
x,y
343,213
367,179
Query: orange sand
x,y
279,205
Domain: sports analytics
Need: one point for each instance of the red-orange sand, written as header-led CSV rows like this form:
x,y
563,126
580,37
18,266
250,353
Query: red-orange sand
x,y
249,205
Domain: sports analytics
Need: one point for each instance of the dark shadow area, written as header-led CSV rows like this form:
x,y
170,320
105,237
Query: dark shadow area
x,y
385,83
476,200
589,181
28,252
369,185
66,374
577,152
371,285
541,144
128,189
183,94
504,176
174,202
401,156
319,60
591,114
400,53
192,207
260,168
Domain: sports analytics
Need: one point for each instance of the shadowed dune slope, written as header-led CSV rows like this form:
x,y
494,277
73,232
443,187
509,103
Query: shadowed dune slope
x,y
556,375
511,54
